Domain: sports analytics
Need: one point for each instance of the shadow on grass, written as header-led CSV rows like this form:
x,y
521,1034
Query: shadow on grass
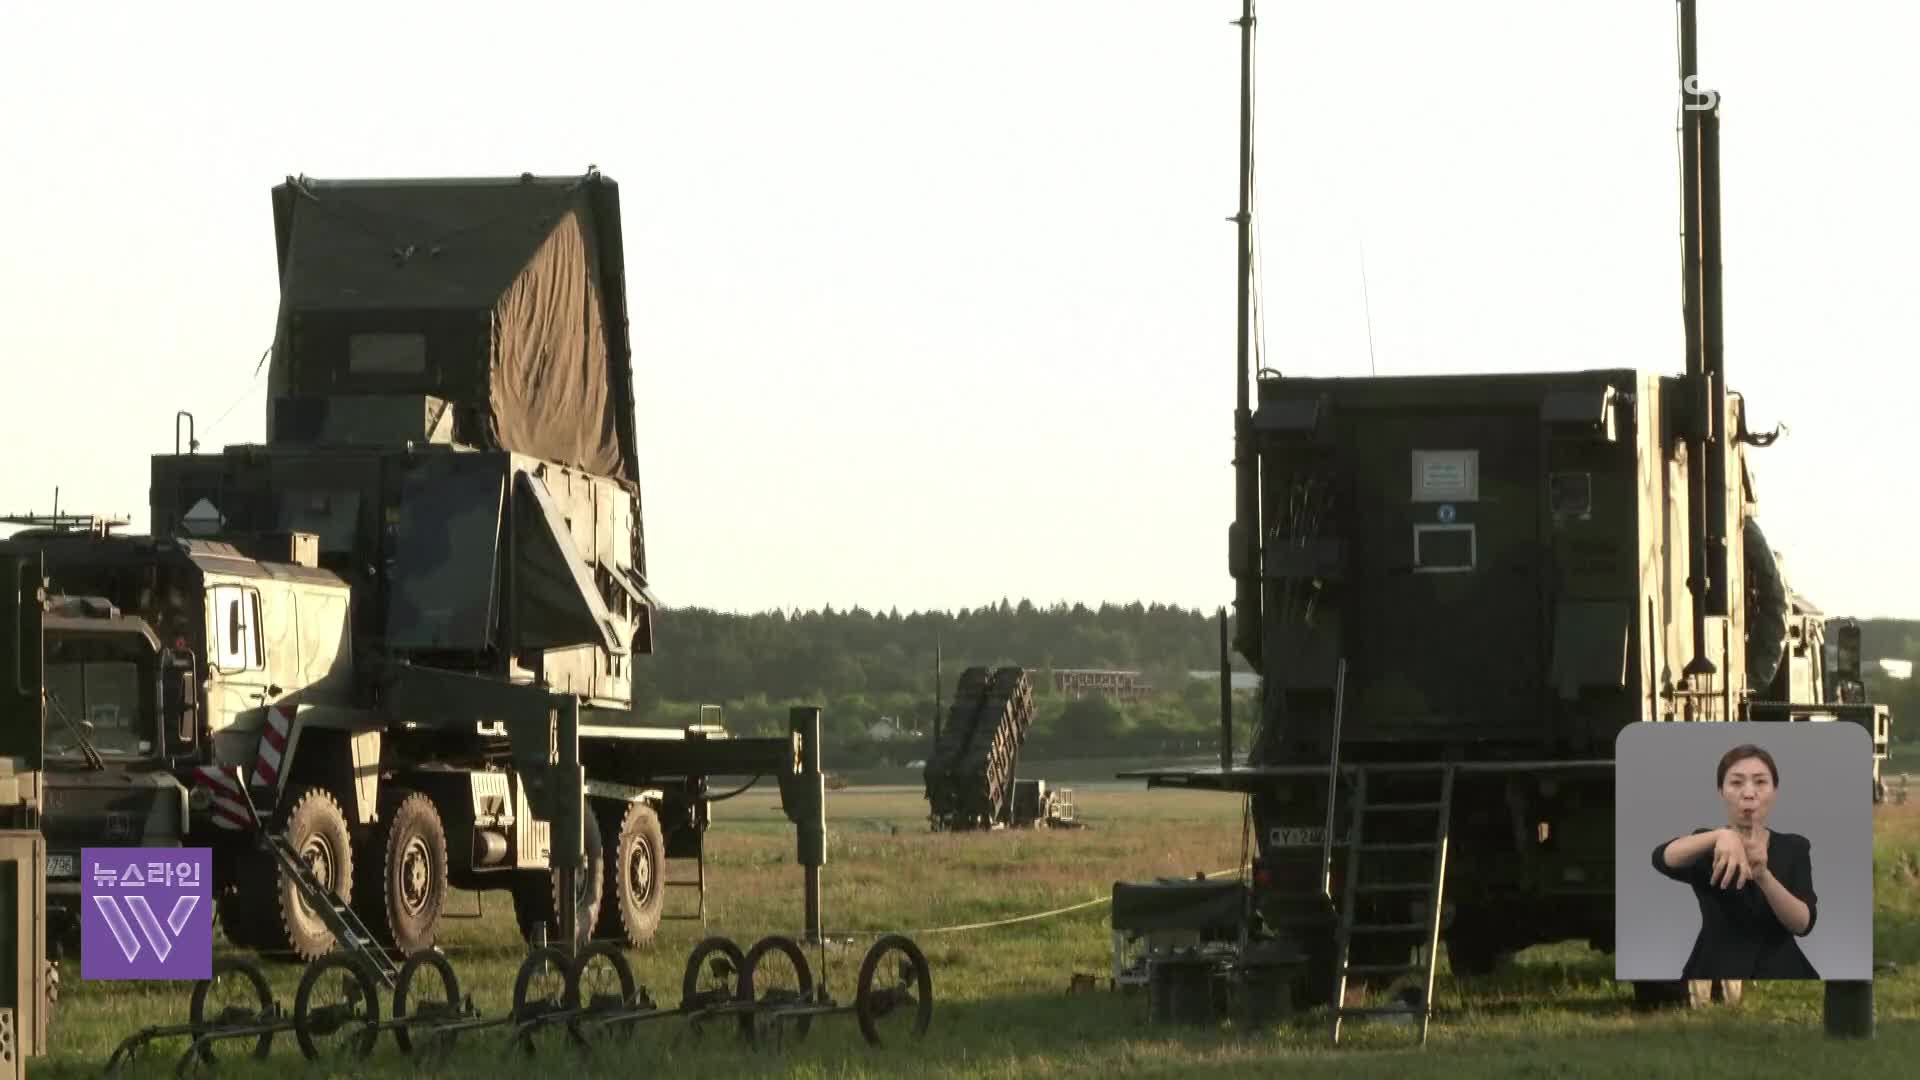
x,y
1556,1011
1590,1029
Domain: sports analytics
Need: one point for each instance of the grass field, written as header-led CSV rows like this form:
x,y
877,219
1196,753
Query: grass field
x,y
1002,1007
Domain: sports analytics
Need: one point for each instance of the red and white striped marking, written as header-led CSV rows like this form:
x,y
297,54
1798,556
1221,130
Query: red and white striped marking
x,y
273,745
229,802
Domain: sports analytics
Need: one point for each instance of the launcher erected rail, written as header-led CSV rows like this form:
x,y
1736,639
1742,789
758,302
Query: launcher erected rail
x,y
970,772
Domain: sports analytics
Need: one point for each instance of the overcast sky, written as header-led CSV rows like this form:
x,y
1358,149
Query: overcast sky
x,y
933,303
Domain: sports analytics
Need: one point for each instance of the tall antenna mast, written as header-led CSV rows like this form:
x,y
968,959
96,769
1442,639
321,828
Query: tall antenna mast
x,y
1700,263
1244,542
1366,299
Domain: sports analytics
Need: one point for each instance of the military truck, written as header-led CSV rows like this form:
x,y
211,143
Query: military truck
x,y
108,688
1458,590
383,626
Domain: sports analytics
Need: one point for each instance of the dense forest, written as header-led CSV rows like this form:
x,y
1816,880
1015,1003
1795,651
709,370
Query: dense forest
x,y
862,666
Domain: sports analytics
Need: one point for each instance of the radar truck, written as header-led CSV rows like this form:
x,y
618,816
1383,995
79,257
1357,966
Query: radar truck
x,y
405,628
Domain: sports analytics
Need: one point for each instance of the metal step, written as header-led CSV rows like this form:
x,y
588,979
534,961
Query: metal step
x,y
1425,846
698,881
1393,887
1383,969
1388,928
1381,1010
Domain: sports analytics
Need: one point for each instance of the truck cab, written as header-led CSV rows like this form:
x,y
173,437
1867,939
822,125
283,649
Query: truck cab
x,y
109,689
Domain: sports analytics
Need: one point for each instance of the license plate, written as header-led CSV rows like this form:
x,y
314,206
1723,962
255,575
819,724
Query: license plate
x,y
1305,836
62,866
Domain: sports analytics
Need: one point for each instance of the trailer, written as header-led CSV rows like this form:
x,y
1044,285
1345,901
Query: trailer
x,y
405,627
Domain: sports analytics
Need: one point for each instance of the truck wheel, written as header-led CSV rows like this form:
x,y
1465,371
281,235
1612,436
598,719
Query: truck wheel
x,y
317,829
536,894
403,882
635,891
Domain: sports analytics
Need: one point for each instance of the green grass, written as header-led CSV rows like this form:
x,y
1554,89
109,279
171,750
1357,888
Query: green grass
x,y
1002,1002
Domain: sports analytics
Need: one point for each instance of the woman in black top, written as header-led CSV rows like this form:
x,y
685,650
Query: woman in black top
x,y
1754,885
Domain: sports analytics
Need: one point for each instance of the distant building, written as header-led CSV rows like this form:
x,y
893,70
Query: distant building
x,y
1085,682
1896,669
1242,680
887,729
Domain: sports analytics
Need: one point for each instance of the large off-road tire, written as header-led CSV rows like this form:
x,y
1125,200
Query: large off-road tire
x,y
316,827
401,884
536,894
634,894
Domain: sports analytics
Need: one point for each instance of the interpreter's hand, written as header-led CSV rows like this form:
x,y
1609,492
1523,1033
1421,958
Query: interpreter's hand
x,y
1756,851
1730,868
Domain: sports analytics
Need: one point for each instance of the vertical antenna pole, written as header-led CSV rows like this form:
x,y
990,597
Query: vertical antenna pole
x,y
1713,371
1226,698
1696,378
1245,538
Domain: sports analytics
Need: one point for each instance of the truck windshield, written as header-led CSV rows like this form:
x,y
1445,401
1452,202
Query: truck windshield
x,y
106,698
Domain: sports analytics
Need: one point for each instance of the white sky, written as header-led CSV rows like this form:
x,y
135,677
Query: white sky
x,y
933,303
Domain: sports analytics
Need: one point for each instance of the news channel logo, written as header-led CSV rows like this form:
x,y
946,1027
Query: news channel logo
x,y
146,913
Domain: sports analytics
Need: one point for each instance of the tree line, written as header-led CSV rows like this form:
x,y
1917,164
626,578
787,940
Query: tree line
x,y
861,666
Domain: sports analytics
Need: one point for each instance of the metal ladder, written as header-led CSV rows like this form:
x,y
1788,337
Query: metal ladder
x,y
1433,888
348,931
698,882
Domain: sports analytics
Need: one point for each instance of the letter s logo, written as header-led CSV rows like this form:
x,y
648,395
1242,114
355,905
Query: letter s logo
x,y
1702,100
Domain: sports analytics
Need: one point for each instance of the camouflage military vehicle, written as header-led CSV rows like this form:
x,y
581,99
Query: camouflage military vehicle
x,y
1457,591
385,616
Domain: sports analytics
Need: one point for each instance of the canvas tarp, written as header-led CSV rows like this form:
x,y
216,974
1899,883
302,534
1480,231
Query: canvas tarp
x,y
500,296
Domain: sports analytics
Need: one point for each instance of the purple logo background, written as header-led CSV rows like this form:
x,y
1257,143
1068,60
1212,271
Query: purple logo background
x,y
146,913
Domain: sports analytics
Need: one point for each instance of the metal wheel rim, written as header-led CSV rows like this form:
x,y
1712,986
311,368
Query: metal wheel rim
x,y
318,854
640,871
888,969
348,1039
415,870
230,988
590,981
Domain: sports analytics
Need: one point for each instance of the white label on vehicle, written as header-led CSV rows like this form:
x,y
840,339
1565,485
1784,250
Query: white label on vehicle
x,y
62,866
1304,836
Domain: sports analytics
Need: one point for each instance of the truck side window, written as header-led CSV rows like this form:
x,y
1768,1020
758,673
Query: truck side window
x,y
236,630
